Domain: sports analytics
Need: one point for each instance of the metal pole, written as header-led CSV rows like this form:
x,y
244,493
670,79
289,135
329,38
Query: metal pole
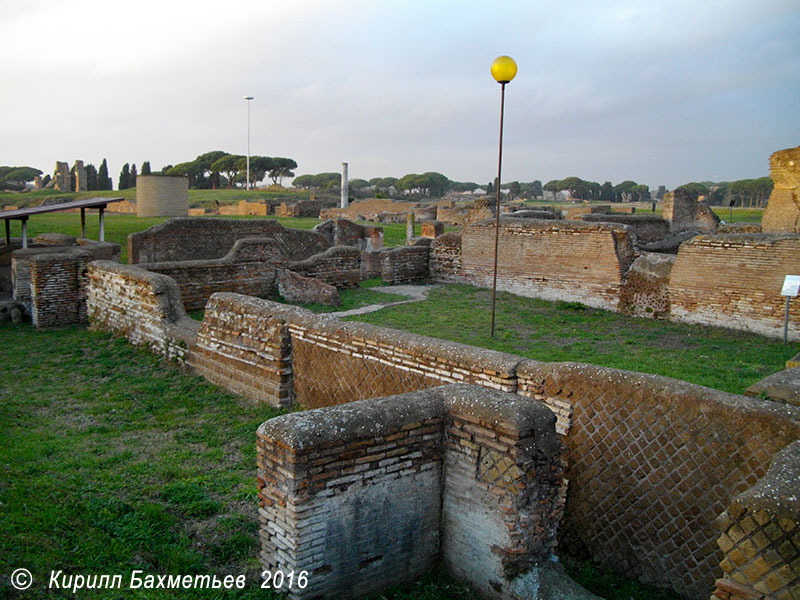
x,y
83,222
247,182
786,322
497,203
25,232
8,232
102,225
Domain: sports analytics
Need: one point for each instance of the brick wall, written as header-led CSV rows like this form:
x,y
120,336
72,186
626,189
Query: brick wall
x,y
6,285
249,268
144,307
652,463
162,196
191,238
339,266
58,288
445,258
554,260
648,228
407,264
23,290
760,535
357,495
368,209
244,348
341,232
735,280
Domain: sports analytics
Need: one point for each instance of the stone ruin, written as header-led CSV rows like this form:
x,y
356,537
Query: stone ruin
x,y
62,177
683,210
782,214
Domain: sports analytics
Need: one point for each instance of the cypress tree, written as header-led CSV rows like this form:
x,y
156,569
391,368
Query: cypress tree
x,y
132,178
103,180
146,167
124,177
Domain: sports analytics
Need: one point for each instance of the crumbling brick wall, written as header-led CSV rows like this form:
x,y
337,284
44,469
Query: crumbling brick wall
x,y
553,260
144,307
341,232
648,228
645,292
386,476
249,268
445,258
735,280
196,238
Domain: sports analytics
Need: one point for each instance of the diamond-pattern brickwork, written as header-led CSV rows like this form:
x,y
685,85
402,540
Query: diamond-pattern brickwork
x,y
760,535
652,463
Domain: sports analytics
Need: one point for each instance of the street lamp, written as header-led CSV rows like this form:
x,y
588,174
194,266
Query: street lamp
x,y
504,69
247,181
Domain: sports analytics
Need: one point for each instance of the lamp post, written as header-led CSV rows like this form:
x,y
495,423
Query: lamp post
x,y
504,69
247,181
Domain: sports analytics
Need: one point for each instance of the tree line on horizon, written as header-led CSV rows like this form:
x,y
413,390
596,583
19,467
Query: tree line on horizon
x,y
218,169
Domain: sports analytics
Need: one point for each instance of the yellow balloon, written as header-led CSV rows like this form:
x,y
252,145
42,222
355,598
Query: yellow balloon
x,y
504,69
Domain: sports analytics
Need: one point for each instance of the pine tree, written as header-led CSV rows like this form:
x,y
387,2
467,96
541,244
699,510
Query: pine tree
x,y
146,167
103,180
91,178
124,177
132,178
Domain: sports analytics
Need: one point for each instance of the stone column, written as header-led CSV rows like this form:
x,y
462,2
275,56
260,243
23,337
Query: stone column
x,y
80,176
345,201
62,177
409,228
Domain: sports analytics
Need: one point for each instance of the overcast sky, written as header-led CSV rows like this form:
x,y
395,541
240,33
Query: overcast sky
x,y
658,92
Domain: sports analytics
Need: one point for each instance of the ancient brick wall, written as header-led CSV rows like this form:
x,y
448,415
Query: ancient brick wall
x,y
648,228
6,285
162,196
432,229
335,362
243,347
445,258
405,265
371,264
652,462
192,238
144,307
341,232
339,266
735,280
760,535
58,288
303,208
554,260
249,268
357,495
368,209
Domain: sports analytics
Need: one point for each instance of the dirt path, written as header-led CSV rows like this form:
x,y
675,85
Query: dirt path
x,y
414,293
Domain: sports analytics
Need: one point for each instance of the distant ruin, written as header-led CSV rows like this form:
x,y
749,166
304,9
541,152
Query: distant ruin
x,y
782,214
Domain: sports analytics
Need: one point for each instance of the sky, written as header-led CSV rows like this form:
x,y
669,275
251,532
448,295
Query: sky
x,y
662,93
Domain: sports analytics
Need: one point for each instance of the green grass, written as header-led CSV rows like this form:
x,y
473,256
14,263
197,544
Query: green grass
x,y
712,356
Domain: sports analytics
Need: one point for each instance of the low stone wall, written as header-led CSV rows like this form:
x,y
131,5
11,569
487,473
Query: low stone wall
x,y
761,535
553,260
202,238
651,463
144,307
303,208
368,495
339,266
406,264
648,228
6,285
368,209
735,280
